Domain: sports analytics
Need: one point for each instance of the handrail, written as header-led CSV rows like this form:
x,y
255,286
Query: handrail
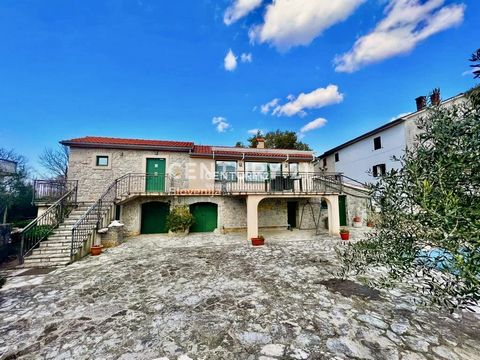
x,y
40,228
51,190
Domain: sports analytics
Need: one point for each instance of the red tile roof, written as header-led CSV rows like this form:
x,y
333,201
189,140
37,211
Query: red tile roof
x,y
195,150
97,140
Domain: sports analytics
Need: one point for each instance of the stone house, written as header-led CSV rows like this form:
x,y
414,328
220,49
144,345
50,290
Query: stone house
x,y
138,182
227,188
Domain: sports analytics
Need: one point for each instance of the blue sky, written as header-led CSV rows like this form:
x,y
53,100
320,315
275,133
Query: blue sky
x,y
159,69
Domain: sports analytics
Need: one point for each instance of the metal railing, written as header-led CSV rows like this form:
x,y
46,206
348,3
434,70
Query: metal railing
x,y
103,210
41,228
49,191
266,182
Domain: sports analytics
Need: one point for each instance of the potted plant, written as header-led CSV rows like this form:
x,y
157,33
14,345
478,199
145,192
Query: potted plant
x,y
180,219
357,221
96,249
370,222
258,241
344,234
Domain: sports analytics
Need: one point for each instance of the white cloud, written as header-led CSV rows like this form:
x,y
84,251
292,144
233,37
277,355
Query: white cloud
x,y
246,58
239,9
407,22
312,125
298,104
221,124
265,109
290,23
468,72
230,61
254,131
401,115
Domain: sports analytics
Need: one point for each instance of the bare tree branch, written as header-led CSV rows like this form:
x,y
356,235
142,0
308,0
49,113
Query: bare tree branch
x,y
56,161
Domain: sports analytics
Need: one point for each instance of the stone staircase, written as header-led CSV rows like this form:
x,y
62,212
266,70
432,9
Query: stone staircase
x,y
55,251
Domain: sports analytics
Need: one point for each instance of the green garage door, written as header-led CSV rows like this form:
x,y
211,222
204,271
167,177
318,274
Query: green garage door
x,y
154,217
205,215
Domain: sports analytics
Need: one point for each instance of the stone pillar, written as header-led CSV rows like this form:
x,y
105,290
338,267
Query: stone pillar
x,y
333,214
252,215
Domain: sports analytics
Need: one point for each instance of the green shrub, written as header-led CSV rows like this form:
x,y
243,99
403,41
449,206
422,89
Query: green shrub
x,y
180,219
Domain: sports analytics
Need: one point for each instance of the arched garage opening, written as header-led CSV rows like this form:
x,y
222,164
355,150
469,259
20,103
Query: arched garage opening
x,y
206,216
154,217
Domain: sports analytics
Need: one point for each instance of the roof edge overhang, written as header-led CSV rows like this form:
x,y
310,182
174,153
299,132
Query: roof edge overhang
x,y
247,158
126,146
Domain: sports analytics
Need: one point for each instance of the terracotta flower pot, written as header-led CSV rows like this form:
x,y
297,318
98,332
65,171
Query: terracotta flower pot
x,y
370,224
258,241
96,250
345,236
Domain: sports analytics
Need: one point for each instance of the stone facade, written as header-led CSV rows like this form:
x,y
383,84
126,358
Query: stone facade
x,y
94,180
232,212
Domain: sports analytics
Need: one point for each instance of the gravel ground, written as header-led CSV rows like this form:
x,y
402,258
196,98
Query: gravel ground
x,y
210,296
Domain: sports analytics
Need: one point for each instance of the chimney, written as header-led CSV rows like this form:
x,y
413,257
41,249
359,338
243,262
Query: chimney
x,y
260,143
435,97
421,102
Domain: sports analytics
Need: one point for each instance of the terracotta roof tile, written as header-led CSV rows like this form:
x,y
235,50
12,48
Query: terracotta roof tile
x,y
129,142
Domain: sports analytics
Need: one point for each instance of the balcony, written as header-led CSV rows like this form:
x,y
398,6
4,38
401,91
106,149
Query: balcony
x,y
229,183
49,191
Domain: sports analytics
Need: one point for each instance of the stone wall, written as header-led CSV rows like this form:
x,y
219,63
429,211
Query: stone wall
x,y
232,212
93,180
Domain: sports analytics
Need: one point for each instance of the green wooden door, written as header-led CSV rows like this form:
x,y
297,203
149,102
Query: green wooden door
x,y
205,215
155,181
154,217
342,208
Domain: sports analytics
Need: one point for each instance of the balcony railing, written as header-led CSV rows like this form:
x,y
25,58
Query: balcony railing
x,y
49,191
266,182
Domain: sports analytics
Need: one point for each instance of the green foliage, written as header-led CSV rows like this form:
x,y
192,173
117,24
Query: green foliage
x,y
180,219
39,231
344,231
15,191
476,66
276,140
428,231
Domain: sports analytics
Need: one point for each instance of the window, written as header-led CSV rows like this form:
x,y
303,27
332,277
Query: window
x,y
293,169
324,162
226,170
259,172
101,160
377,143
379,170
337,157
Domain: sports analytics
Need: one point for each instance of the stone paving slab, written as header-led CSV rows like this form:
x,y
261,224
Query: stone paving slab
x,y
211,296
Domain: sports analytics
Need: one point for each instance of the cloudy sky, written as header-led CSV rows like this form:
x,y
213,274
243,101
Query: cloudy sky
x,y
213,71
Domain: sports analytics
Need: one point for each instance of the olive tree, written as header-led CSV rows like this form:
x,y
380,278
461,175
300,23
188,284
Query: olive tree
x,y
428,231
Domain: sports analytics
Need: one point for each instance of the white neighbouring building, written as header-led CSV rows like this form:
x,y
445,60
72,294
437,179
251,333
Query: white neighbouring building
x,y
370,155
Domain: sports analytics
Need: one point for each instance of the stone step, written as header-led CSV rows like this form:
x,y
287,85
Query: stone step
x,y
57,237
48,251
49,257
48,264
55,243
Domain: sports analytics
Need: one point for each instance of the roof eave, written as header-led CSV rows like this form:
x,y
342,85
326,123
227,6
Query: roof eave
x,y
125,146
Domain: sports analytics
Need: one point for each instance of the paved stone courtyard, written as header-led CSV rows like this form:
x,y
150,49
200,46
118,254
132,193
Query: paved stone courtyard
x,y
215,297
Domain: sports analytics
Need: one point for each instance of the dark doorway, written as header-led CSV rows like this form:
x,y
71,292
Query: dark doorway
x,y
292,213
154,217
342,208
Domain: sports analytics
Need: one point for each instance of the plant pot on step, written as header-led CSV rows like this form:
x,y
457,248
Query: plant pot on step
x,y
96,250
344,234
258,241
